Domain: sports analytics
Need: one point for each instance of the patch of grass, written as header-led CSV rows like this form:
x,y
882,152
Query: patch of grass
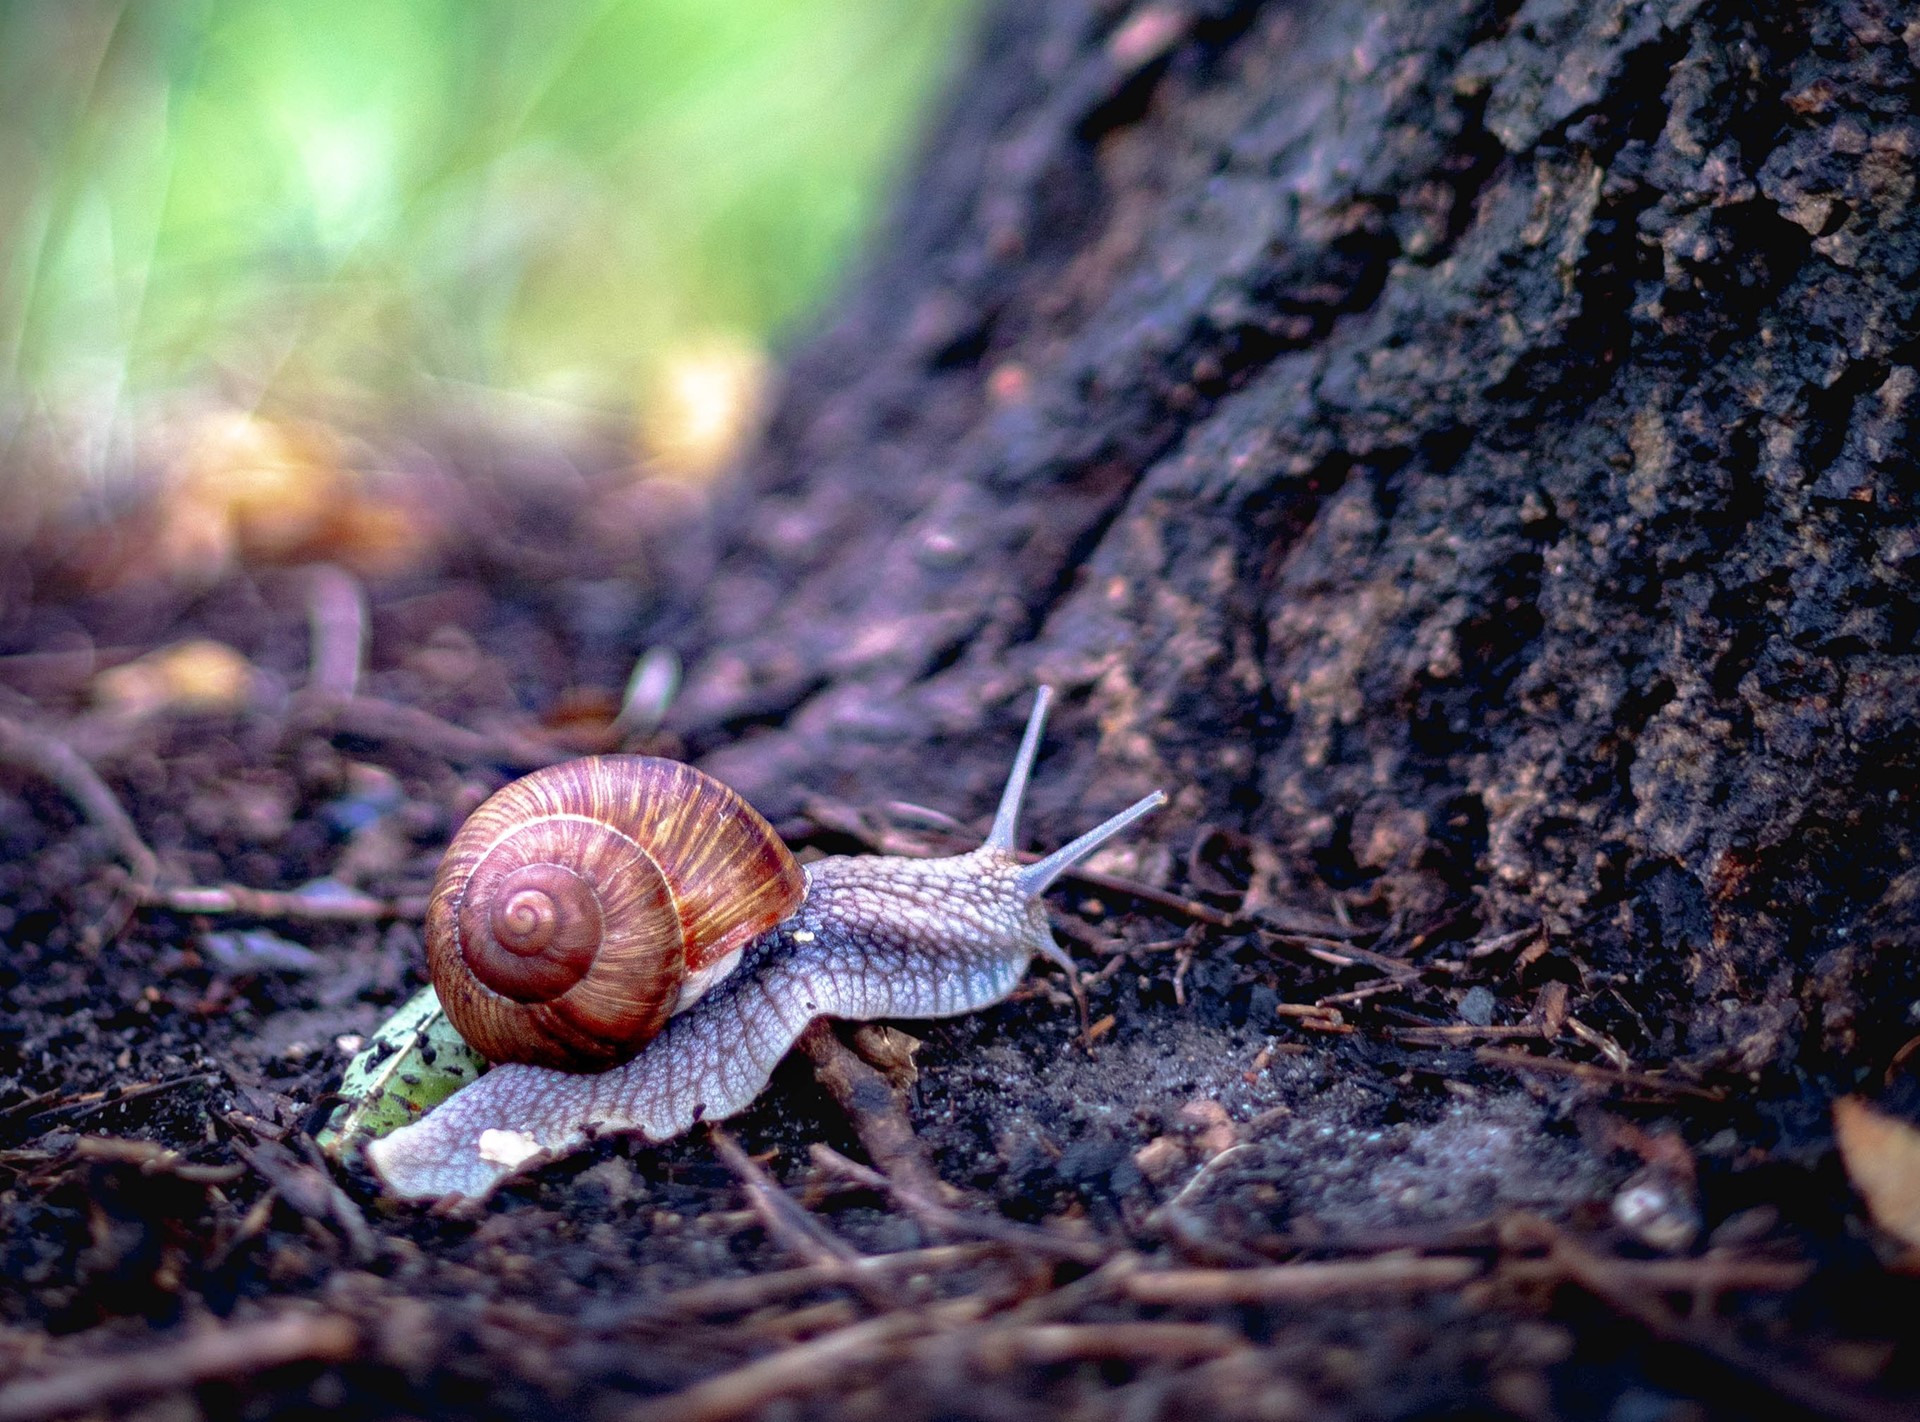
x,y
276,197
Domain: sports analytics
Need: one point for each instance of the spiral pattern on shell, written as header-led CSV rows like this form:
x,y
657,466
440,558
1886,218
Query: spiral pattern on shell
x,y
575,902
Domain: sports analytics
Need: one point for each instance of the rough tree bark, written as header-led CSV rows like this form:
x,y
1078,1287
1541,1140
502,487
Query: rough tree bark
x,y
1468,446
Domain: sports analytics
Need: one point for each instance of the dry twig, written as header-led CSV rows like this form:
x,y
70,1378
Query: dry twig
x,y
1456,1033
197,1357
378,720
1632,1289
789,1226
1312,1282
1045,1344
874,1107
1344,953
337,631
1596,1075
802,1368
752,1291
310,1189
51,758
945,1220
41,1113
297,905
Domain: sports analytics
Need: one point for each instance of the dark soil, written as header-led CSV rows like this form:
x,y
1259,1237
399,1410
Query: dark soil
x,y
164,1202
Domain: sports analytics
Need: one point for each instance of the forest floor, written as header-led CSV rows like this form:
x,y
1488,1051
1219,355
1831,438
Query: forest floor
x,y
1298,1162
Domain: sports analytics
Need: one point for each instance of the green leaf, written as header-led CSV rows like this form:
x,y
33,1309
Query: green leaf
x,y
414,1062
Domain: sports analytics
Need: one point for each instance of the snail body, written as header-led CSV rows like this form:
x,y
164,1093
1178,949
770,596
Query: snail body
x,y
741,949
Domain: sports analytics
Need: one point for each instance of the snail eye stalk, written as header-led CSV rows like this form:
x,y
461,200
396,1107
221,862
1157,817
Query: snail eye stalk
x,y
1036,879
1006,821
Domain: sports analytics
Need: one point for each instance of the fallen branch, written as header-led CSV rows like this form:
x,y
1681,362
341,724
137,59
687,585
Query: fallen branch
x,y
1709,1276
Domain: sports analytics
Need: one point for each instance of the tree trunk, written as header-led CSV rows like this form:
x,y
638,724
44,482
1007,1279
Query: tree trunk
x,y
1464,449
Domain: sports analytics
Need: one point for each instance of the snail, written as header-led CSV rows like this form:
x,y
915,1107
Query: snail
x,y
638,948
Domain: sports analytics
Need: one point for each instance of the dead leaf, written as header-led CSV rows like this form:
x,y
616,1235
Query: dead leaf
x,y
246,488
1882,1156
1217,1131
1160,1158
195,675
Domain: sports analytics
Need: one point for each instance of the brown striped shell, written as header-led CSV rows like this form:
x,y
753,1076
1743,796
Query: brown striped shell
x,y
574,904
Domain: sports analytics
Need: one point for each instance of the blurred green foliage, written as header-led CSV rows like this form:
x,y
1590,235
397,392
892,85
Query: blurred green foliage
x,y
352,195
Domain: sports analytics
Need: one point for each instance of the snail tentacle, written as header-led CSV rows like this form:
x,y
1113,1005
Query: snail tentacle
x,y
1005,833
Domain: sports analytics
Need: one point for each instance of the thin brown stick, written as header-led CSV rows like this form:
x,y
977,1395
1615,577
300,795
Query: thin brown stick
x,y
875,1108
1601,1043
1310,1282
379,720
140,1091
945,1220
1345,953
1362,993
54,760
151,1158
1047,1344
792,1325
1597,1075
337,630
1710,1274
802,1368
297,905
39,1114
753,1291
92,1383
1452,1034
38,1104
1486,947
1124,955
1629,1295
309,1188
789,1226
1159,898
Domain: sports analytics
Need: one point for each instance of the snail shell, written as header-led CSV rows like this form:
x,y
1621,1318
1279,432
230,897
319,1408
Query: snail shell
x,y
581,906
